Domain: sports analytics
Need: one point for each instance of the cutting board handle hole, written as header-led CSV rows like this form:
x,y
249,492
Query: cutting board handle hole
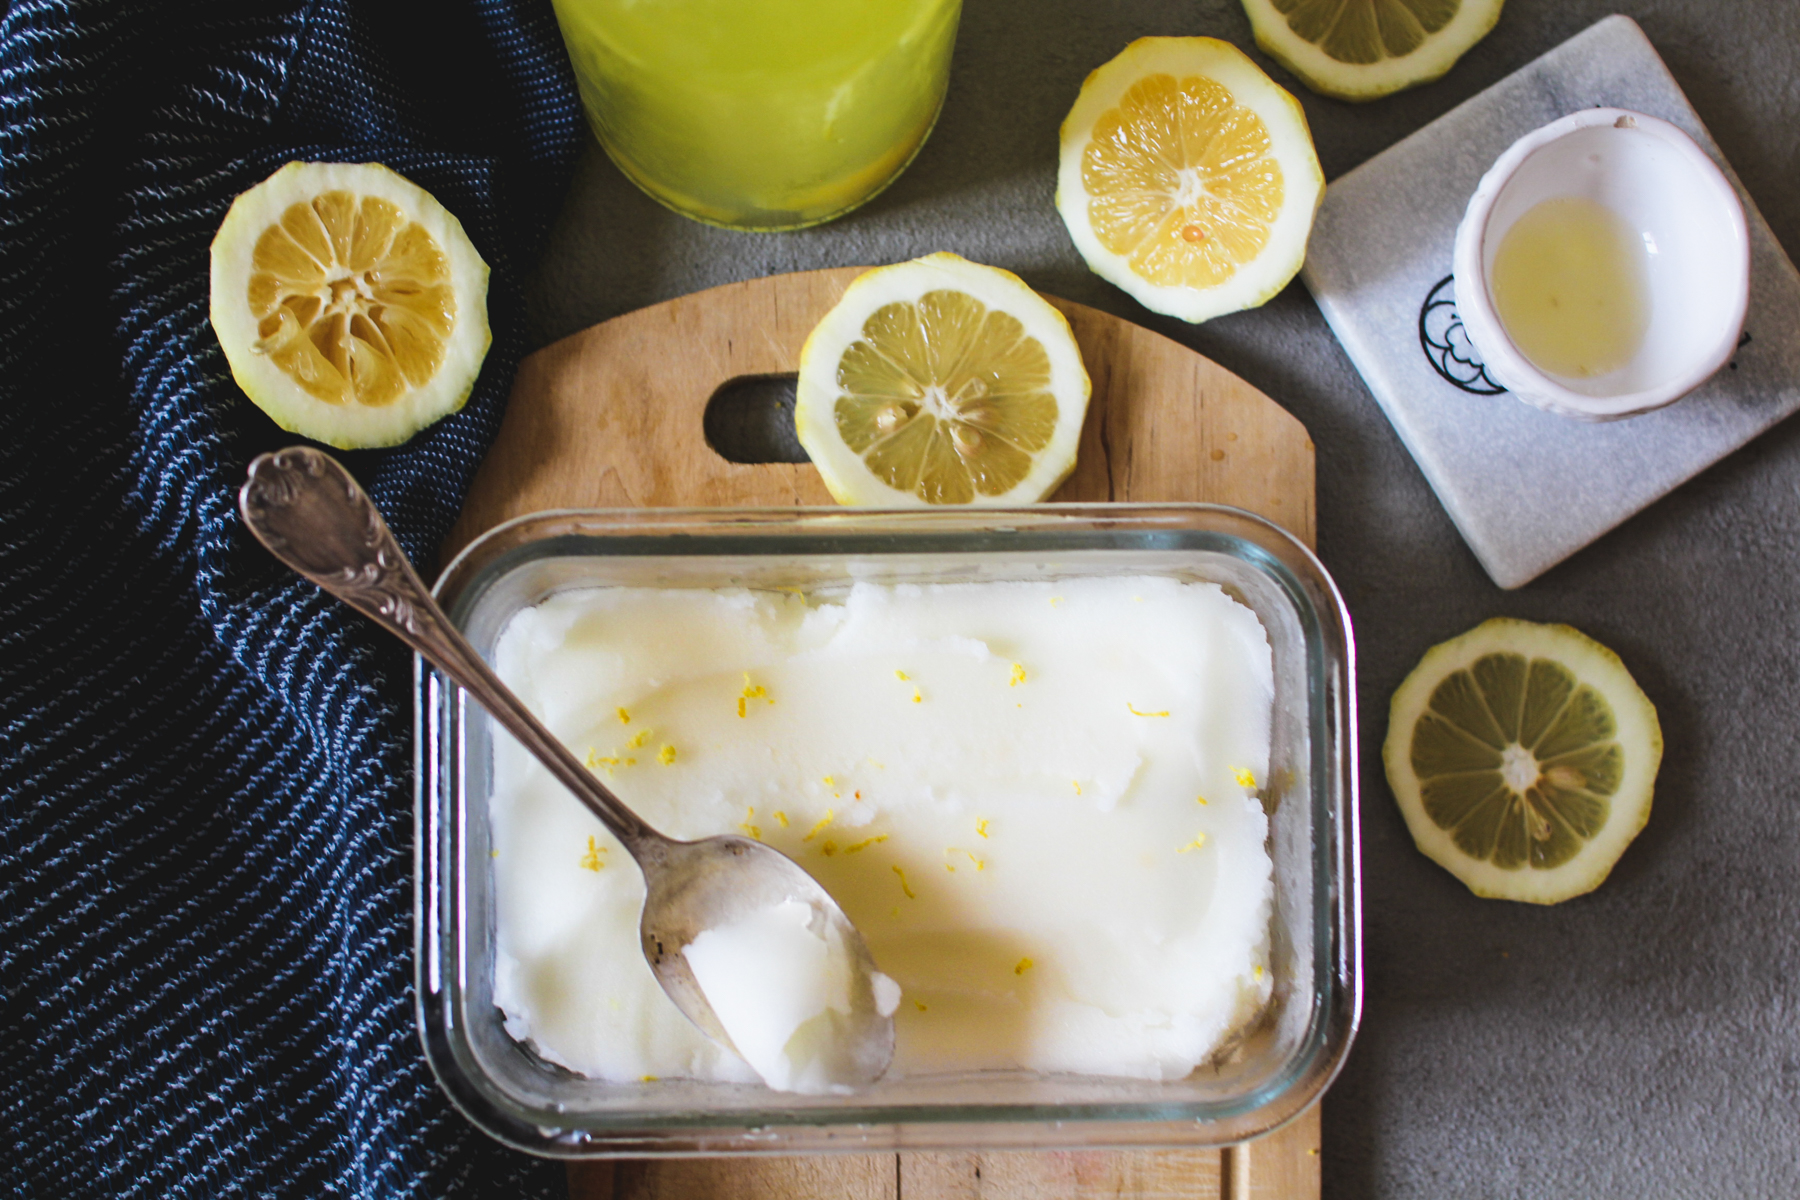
x,y
750,419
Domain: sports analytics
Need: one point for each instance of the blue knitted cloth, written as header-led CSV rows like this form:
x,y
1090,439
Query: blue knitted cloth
x,y
205,793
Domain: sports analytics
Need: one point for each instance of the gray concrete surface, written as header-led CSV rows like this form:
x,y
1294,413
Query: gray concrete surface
x,y
1642,1041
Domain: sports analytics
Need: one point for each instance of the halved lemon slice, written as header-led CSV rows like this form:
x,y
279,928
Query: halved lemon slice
x,y
351,306
1188,178
941,381
1365,49
1523,757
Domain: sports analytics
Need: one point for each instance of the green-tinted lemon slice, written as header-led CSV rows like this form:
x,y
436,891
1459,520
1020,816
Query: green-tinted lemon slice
x,y
1364,49
1523,757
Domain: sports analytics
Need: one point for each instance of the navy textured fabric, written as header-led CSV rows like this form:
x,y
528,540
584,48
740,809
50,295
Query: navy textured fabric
x,y
205,795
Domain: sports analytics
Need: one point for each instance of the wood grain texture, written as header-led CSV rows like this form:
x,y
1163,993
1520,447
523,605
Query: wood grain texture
x,y
612,417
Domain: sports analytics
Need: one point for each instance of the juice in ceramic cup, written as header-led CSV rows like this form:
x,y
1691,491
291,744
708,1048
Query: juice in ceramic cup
x,y
761,114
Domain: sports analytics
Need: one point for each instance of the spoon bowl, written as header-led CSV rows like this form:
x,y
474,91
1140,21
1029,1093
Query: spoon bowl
x,y
304,506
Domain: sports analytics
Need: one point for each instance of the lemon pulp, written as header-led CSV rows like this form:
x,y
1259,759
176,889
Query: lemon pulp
x,y
1364,49
946,398
352,299
1180,181
1367,31
1517,760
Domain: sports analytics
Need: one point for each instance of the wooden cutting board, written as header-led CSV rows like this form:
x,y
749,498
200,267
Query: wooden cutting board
x,y
614,417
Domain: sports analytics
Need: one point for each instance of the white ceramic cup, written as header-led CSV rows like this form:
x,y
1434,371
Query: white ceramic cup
x,y
1668,192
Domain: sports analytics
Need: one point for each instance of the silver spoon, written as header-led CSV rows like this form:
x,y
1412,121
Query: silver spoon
x,y
311,514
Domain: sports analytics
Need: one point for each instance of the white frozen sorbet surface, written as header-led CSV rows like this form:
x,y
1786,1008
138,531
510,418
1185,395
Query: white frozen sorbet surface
x,y
780,981
1037,801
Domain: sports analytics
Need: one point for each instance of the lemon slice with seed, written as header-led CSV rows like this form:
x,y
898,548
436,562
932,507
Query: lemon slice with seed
x,y
1188,178
941,381
1523,757
1365,49
351,306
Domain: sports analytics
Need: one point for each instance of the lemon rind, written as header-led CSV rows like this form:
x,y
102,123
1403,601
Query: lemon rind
x,y
346,426
843,471
1639,735
1361,83
1261,279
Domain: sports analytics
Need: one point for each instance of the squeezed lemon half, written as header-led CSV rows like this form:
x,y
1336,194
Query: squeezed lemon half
x,y
1188,178
1523,757
941,381
1365,49
351,305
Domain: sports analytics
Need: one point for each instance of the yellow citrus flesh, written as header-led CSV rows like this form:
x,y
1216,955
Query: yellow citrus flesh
x,y
1364,49
941,381
1180,181
1188,178
1367,31
352,299
945,398
351,306
1523,757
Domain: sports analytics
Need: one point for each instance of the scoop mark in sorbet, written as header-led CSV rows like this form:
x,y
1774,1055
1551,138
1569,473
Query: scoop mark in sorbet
x,y
781,981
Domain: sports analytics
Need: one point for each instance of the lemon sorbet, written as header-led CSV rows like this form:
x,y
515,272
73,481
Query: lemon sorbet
x,y
1037,801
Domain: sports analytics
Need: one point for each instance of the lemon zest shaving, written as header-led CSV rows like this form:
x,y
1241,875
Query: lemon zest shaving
x,y
828,848
1244,776
741,712
647,1078
1077,784
917,698
591,860
1200,800
980,863
904,886
919,1004
782,817
823,822
830,779
1199,841
902,676
1018,675
981,826
637,741
747,826
666,755
1258,972
624,715
1136,713
874,841
1025,964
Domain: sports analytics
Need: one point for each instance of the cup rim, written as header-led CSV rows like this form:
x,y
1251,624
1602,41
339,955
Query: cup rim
x,y
1504,360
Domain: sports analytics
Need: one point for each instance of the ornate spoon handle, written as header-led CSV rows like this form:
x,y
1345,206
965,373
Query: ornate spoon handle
x,y
311,514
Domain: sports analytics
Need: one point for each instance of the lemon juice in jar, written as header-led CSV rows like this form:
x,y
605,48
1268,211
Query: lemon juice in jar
x,y
761,114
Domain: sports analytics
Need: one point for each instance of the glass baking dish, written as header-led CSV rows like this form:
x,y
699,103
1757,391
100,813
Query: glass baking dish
x,y
1263,1078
